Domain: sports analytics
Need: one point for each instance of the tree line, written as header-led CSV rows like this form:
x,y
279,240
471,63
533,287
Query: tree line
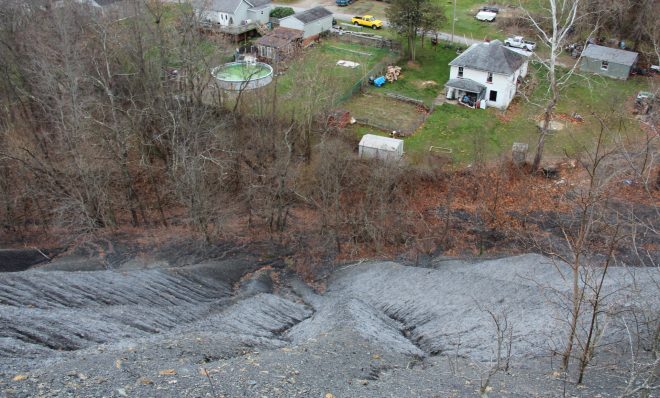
x,y
112,121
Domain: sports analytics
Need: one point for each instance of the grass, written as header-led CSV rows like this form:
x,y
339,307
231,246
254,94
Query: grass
x,y
425,79
471,132
387,113
321,62
467,25
487,134
467,132
366,7
313,81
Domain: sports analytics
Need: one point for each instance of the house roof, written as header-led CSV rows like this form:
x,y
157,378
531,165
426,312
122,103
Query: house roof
x,y
613,55
490,57
258,3
468,85
279,37
104,3
380,142
311,15
228,6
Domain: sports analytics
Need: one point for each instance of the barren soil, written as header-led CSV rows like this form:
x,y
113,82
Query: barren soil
x,y
236,323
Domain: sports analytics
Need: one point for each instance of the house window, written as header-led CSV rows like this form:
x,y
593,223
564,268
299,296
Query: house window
x,y
460,71
604,65
489,79
492,96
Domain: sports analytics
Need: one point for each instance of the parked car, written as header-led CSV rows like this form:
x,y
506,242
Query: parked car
x,y
486,16
368,21
636,70
519,42
575,49
490,9
343,3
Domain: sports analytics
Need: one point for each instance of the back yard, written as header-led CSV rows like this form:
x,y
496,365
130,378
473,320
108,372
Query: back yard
x,y
314,81
375,109
486,134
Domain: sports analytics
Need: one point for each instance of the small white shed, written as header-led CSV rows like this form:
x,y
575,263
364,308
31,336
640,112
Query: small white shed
x,y
312,22
375,146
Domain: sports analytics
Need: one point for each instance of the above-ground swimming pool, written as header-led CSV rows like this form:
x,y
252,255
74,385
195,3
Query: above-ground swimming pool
x,y
243,75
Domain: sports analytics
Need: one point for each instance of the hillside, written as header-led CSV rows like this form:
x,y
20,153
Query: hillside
x,y
379,329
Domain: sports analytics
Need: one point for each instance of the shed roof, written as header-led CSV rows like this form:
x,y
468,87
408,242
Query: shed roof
x,y
279,37
379,142
311,15
491,57
468,85
609,54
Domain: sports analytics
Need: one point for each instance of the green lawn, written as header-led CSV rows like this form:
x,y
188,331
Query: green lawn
x,y
387,113
471,132
320,63
467,25
313,82
366,7
425,79
468,133
487,134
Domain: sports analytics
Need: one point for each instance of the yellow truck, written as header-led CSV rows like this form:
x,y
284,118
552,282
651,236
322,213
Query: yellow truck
x,y
368,21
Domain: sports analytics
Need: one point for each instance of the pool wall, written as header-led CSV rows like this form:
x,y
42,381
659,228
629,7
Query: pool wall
x,y
236,85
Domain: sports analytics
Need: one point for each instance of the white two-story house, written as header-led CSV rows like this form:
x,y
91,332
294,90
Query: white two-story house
x,y
234,16
486,74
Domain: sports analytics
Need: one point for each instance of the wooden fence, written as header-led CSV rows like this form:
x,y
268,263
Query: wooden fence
x,y
366,39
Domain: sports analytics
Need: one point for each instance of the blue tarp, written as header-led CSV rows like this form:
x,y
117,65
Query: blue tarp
x,y
379,81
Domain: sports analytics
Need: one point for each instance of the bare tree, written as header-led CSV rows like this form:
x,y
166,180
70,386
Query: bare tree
x,y
553,27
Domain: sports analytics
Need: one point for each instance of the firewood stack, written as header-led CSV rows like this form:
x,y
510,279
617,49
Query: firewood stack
x,y
263,29
392,73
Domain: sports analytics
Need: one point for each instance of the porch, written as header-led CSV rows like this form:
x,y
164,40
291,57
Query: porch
x,y
466,92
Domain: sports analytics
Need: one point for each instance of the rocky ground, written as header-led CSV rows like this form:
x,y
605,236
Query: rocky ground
x,y
236,323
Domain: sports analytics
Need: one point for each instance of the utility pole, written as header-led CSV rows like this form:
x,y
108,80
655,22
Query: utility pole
x,y
453,23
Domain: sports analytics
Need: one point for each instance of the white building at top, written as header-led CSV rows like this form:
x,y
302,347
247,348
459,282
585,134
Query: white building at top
x,y
233,13
486,72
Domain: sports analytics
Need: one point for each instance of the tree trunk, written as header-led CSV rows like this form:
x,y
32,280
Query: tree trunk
x,y
566,356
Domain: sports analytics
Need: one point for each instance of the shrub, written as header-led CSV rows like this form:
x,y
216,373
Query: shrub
x,y
281,12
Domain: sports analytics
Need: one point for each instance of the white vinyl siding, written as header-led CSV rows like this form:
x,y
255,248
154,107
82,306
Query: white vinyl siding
x,y
504,85
309,29
292,23
261,15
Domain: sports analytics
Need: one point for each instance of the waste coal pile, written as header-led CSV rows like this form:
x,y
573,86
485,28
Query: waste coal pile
x,y
233,329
